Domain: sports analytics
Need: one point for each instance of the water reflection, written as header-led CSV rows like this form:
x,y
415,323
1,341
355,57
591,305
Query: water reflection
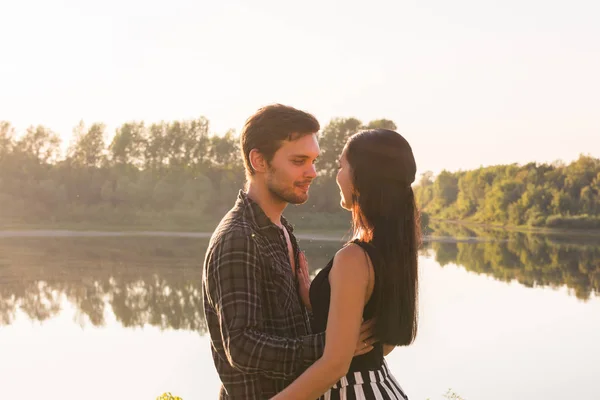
x,y
531,259
157,280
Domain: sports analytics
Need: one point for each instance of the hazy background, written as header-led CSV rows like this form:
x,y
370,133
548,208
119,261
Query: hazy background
x,y
469,83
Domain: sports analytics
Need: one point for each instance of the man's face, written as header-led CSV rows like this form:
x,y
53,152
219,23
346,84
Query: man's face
x,y
292,169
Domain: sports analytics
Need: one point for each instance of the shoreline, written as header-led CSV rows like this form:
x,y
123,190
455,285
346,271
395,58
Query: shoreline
x,y
332,237
522,229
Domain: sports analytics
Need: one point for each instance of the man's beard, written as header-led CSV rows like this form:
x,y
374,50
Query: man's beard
x,y
284,194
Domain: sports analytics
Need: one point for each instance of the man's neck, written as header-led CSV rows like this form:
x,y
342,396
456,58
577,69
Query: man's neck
x,y
272,207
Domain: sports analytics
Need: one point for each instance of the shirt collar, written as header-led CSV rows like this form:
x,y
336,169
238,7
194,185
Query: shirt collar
x,y
257,216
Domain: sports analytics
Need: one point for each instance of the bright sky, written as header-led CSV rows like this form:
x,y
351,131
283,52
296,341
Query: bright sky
x,y
468,82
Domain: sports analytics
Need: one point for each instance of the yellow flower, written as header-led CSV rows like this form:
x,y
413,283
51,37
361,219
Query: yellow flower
x,y
168,396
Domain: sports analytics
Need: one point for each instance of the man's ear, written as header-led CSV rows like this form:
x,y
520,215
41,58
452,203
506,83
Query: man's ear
x,y
257,160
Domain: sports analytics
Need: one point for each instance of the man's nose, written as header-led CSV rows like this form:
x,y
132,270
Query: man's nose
x,y
312,171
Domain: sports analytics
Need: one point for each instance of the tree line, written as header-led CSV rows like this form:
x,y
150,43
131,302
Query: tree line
x,y
167,175
179,175
555,195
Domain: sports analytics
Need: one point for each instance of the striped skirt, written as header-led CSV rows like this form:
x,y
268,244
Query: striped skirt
x,y
366,385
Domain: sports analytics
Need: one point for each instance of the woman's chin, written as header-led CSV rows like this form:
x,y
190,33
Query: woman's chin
x,y
343,205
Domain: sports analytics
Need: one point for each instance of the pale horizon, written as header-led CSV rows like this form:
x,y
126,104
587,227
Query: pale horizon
x,y
467,84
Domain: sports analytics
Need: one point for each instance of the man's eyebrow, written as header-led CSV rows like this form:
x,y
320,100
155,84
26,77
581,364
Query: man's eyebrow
x,y
302,156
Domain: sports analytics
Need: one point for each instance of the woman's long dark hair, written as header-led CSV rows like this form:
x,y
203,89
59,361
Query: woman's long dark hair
x,y
385,215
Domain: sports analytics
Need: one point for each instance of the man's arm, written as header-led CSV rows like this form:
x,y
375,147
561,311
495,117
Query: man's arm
x,y
234,289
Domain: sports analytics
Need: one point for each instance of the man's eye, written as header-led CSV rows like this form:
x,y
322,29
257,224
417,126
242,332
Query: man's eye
x,y
298,162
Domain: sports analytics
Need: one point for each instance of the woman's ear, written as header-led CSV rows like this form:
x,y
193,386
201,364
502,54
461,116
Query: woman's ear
x,y
257,160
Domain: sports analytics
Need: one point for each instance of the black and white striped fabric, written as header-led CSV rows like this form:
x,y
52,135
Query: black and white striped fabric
x,y
366,385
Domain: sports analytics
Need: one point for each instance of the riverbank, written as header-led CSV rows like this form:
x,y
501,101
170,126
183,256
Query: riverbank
x,y
301,235
524,229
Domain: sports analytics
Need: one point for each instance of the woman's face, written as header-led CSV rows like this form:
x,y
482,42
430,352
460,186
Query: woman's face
x,y
344,181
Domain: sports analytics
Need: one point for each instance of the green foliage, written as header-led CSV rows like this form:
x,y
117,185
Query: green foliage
x,y
332,141
424,221
445,189
153,175
536,195
167,175
87,150
382,124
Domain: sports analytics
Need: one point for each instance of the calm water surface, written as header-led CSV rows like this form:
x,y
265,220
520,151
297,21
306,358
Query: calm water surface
x,y
120,318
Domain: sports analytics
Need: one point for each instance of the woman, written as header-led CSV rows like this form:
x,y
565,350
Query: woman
x,y
373,277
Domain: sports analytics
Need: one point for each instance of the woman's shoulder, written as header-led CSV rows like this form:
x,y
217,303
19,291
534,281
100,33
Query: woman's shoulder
x,y
351,249
352,259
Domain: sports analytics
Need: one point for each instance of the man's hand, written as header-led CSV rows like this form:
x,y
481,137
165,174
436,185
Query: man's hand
x,y
366,339
303,280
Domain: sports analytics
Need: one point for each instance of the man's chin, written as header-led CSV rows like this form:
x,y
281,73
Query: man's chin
x,y
292,198
297,200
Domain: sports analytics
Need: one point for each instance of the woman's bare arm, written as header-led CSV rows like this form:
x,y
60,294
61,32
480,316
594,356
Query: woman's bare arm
x,y
349,279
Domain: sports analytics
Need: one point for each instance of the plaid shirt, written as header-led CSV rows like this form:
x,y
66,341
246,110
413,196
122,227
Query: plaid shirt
x,y
259,328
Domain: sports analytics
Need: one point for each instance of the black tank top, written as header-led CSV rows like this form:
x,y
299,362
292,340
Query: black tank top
x,y
320,293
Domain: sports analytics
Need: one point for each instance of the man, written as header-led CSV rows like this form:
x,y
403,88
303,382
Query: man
x,y
259,327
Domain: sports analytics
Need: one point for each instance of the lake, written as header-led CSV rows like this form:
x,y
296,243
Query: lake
x,y
512,317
